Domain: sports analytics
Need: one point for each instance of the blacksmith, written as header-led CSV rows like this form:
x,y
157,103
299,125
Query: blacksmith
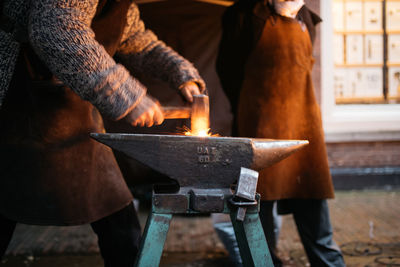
x,y
265,62
64,65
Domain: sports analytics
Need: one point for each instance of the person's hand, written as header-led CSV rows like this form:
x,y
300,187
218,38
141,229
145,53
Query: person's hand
x,y
189,89
146,113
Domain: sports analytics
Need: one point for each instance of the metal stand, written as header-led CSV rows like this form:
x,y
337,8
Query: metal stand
x,y
153,239
249,232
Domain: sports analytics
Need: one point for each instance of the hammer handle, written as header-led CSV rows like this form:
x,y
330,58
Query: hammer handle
x,y
176,112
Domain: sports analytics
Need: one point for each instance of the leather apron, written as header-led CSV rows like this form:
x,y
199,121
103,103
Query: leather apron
x,y
277,101
52,172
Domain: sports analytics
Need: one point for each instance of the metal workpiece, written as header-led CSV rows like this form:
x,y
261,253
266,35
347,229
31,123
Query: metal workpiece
x,y
200,117
247,184
201,162
245,193
207,200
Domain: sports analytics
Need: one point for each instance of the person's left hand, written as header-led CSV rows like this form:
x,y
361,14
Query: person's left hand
x,y
189,89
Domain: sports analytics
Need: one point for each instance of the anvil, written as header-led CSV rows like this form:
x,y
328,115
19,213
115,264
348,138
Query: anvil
x,y
201,162
205,169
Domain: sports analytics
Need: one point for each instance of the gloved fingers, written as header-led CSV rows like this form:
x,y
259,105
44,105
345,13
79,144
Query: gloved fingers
x,y
149,118
139,121
135,123
188,90
204,91
146,113
153,116
187,95
158,116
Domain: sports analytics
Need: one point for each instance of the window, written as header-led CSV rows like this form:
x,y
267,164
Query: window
x,y
360,66
366,51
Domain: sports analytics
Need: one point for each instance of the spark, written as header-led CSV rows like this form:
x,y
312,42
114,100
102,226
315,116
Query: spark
x,y
202,133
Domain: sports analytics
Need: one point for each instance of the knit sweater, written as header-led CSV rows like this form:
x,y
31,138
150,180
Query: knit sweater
x,y
60,33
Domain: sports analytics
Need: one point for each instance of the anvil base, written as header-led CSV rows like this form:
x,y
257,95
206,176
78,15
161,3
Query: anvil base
x,y
249,232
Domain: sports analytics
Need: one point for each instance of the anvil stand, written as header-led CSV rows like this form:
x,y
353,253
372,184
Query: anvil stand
x,y
249,232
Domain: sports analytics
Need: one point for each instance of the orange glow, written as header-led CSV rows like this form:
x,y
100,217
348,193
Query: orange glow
x,y
202,133
200,127
205,132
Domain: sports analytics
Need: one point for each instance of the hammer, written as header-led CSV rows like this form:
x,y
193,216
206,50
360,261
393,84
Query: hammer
x,y
199,113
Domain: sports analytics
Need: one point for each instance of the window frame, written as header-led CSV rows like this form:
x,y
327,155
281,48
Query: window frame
x,y
372,122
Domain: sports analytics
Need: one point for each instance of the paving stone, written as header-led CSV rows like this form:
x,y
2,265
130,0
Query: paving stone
x,y
363,222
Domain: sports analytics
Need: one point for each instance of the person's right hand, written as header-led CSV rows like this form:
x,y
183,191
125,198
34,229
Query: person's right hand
x,y
146,113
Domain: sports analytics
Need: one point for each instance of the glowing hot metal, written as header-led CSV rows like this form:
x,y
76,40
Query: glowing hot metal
x,y
200,117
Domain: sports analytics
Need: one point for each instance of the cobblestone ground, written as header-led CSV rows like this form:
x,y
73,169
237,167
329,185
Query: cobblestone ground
x,y
366,227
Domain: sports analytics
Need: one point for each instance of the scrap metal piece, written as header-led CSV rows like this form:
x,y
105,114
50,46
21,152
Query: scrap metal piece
x,y
170,203
241,213
245,190
247,184
207,200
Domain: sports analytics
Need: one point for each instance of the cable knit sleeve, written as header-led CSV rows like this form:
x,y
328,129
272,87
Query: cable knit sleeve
x,y
141,51
61,35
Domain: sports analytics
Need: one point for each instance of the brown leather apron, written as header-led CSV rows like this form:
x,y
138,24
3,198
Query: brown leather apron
x,y
277,101
51,171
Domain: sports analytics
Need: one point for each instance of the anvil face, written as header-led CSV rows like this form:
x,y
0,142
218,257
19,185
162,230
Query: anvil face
x,y
201,162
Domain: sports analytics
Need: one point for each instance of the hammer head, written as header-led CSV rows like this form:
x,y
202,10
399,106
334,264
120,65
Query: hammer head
x,y
200,116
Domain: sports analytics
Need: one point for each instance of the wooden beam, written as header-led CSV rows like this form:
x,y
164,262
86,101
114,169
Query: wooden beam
x,y
217,2
147,1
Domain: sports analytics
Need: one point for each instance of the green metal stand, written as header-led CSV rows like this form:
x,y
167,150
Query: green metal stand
x,y
249,234
153,240
251,240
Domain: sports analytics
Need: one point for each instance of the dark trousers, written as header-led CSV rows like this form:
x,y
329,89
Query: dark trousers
x,y
269,226
6,230
118,237
313,224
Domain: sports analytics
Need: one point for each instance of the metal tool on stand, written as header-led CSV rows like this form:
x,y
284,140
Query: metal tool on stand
x,y
245,194
205,169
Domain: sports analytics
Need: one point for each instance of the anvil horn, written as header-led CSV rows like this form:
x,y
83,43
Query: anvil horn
x,y
268,152
201,162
